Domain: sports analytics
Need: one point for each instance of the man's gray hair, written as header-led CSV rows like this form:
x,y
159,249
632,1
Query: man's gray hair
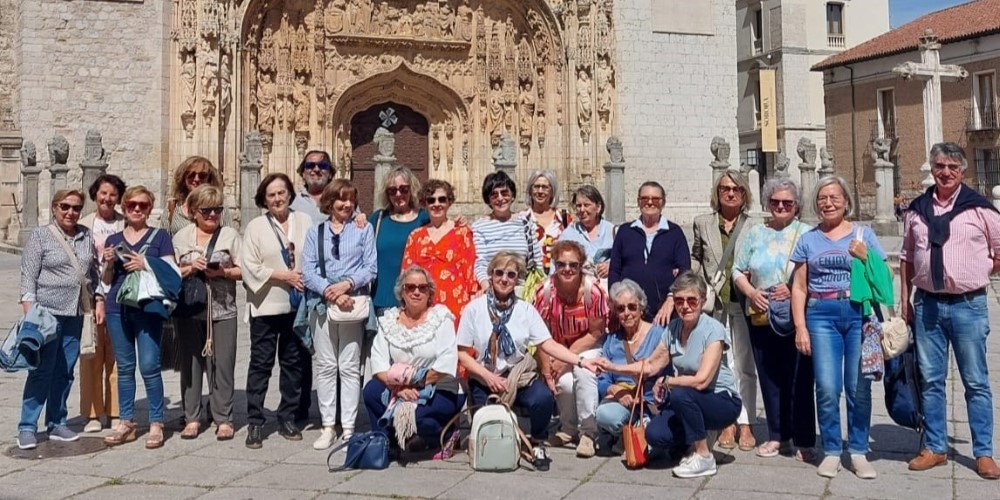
x,y
776,184
838,180
951,150
628,286
549,176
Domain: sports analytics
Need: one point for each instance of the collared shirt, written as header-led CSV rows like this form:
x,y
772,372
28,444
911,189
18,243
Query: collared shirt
x,y
599,249
664,225
304,203
355,256
47,274
968,254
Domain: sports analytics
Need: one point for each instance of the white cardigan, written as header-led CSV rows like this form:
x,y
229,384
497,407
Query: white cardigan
x,y
261,256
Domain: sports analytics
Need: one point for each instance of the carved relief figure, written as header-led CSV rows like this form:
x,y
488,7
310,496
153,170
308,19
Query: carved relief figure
x,y
225,84
300,52
405,25
446,22
449,143
496,111
418,20
189,76
435,145
265,57
527,102
266,103
336,13
209,88
432,23
464,22
584,103
540,127
301,95
604,76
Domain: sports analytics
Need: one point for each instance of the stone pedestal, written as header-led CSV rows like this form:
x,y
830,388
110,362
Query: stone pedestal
x,y
94,164
885,192
29,197
614,182
251,162
10,174
753,179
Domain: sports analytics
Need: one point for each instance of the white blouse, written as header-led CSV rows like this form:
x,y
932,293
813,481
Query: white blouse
x,y
525,325
431,344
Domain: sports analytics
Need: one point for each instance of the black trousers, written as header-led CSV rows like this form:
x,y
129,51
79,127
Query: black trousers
x,y
270,336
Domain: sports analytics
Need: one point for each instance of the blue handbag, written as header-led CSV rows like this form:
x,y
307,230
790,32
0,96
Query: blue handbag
x,y
287,255
367,450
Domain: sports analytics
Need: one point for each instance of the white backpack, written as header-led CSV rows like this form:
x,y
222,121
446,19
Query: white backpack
x,y
494,443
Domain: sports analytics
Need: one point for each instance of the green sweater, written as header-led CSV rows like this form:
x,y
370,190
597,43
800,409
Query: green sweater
x,y
871,281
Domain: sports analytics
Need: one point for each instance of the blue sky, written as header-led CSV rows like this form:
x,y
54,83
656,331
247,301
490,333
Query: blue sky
x,y
904,11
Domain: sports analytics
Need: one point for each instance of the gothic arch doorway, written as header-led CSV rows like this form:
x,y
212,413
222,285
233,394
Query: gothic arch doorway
x,y
410,130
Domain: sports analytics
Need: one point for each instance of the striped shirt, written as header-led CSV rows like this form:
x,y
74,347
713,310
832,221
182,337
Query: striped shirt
x,y
968,254
568,322
47,275
357,256
492,236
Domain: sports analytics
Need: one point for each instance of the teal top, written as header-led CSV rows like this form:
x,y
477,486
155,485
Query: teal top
x,y
390,241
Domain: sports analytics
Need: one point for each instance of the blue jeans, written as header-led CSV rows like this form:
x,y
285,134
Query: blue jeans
x,y
431,417
835,334
965,323
132,331
48,385
536,398
689,414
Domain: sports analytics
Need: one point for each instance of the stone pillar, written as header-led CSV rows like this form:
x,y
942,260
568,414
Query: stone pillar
x,y
29,199
753,179
807,173
10,176
884,181
385,158
614,182
720,150
505,156
996,196
58,155
94,164
251,161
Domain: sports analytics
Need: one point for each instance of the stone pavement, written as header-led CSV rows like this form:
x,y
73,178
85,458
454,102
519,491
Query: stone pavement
x,y
207,469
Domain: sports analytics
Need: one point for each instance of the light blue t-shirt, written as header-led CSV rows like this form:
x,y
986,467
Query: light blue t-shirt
x,y
765,253
599,249
687,358
829,261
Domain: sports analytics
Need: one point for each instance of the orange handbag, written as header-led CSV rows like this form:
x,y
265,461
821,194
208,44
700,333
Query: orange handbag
x,y
634,432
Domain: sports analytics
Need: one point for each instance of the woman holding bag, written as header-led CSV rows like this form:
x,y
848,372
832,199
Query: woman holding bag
x,y
272,246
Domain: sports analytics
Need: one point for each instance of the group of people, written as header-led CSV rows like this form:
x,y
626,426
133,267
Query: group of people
x,y
415,314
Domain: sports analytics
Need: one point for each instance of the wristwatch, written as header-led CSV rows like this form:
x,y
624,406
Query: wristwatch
x,y
579,362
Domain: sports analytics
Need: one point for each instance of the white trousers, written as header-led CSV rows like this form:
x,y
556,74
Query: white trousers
x,y
338,352
743,365
577,399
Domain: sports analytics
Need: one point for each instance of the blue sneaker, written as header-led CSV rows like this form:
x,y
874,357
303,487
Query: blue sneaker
x,y
62,433
26,440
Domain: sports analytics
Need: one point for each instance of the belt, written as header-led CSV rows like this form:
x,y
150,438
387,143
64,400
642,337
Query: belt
x,y
838,295
953,297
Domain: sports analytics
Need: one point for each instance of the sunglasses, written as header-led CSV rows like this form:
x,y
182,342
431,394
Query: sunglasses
x,y
786,204
500,193
730,189
440,200
210,211
650,200
500,273
692,302
563,265
393,191
322,165
413,287
197,176
66,207
132,206
631,307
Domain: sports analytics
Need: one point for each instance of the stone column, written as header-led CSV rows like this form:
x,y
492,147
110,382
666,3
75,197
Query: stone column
x,y
58,155
884,181
720,150
385,158
505,156
29,198
807,173
94,164
251,161
10,170
614,182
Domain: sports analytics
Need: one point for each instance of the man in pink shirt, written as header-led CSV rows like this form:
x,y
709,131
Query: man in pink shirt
x,y
951,246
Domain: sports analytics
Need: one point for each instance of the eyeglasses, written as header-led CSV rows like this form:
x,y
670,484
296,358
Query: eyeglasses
x,y
423,288
785,204
692,302
66,207
393,191
952,167
831,199
572,265
500,193
650,200
210,211
322,165
196,176
541,187
500,273
132,206
631,307
730,189
440,200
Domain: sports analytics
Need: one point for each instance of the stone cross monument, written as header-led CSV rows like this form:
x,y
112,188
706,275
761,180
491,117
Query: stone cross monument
x,y
505,155
251,161
58,155
933,73
30,171
614,182
385,158
807,173
884,181
94,164
720,151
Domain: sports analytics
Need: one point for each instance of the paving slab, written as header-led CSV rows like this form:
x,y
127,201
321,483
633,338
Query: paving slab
x,y
25,485
594,489
487,486
891,487
257,494
143,491
766,479
293,477
709,494
196,471
403,482
110,463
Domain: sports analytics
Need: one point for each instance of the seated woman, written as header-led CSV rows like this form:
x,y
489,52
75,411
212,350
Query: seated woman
x,y
635,340
414,357
493,338
702,395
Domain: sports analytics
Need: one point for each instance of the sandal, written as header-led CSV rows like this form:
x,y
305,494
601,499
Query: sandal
x,y
769,449
124,433
191,430
154,439
727,438
747,440
224,432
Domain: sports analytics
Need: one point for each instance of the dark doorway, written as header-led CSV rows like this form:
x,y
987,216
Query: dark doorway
x,y
410,129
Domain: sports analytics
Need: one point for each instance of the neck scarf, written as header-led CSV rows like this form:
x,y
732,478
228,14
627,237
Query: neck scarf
x,y
501,335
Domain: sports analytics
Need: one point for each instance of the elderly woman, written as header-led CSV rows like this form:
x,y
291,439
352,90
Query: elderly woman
x,y
717,236
501,230
575,310
702,395
99,373
761,274
634,340
414,357
339,264
399,216
503,366
272,245
549,222
828,324
591,230
650,251
211,251
444,248
53,259
133,329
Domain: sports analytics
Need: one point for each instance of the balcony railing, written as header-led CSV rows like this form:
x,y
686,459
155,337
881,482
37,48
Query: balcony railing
x,y
758,46
987,171
982,118
836,41
883,129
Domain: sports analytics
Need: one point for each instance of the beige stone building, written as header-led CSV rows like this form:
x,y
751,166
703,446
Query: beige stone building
x,y
165,79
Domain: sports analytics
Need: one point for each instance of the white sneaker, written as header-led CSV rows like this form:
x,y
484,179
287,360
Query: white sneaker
x,y
695,465
829,466
862,467
326,438
347,435
93,425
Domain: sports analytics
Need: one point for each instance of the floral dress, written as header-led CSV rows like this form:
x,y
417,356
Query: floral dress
x,y
450,263
547,236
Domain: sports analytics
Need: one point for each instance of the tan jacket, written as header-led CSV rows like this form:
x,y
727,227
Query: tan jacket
x,y
706,245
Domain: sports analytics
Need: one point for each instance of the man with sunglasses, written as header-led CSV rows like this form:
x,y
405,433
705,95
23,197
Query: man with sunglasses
x,y
316,170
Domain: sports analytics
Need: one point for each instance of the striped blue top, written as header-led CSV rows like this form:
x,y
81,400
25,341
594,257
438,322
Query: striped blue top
x,y
492,236
357,256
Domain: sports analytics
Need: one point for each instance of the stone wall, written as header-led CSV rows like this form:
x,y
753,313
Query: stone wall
x,y
676,92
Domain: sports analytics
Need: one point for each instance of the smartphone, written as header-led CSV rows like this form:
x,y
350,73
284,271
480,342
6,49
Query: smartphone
x,y
123,252
215,266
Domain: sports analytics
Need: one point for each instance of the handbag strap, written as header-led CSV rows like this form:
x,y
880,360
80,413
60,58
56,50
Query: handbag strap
x,y
210,249
281,242
730,247
320,244
640,394
791,248
84,291
531,243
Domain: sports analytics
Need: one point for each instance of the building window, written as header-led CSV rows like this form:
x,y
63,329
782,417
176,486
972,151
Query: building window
x,y
987,170
835,24
983,115
758,31
885,122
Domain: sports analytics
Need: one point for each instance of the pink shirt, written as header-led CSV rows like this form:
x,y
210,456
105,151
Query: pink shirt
x,y
968,253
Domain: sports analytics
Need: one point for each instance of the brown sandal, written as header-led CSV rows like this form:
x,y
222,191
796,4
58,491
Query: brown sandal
x,y
191,430
154,439
224,432
747,441
727,438
124,433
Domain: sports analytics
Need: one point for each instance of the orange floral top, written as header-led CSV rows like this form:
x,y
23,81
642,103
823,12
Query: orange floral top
x,y
450,262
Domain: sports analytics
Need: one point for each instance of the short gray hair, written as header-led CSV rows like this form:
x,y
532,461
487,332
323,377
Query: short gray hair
x,y
549,176
775,184
831,180
628,286
688,281
431,287
951,150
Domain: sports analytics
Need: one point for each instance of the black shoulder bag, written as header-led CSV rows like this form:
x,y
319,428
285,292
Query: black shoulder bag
x,y
193,298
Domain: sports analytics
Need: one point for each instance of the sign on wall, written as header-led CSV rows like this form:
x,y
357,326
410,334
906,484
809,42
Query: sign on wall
x,y
768,113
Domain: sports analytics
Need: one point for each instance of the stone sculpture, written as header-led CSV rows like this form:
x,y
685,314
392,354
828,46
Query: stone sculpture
x,y
781,165
826,161
806,150
386,143
58,150
881,147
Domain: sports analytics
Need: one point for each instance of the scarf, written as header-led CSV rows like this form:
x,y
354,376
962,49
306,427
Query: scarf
x,y
939,226
501,335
